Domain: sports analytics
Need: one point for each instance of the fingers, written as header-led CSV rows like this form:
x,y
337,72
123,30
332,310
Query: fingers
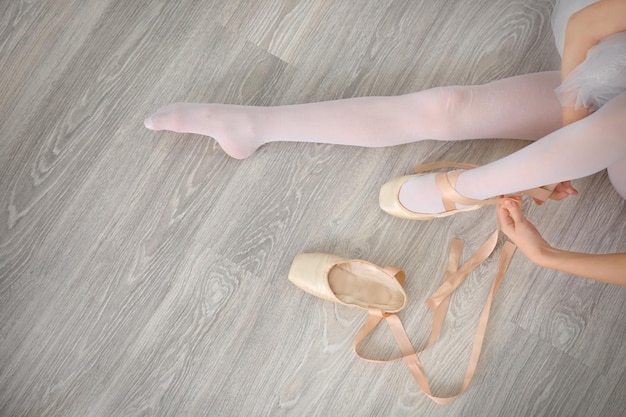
x,y
508,214
559,196
514,208
563,190
504,218
568,188
560,191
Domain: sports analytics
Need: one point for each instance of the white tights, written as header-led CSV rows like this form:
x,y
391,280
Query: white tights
x,y
523,107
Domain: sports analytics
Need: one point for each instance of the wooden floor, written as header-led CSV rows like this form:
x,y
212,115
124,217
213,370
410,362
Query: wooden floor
x,y
145,273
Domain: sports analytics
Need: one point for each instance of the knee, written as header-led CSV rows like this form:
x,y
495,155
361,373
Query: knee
x,y
617,176
451,108
454,99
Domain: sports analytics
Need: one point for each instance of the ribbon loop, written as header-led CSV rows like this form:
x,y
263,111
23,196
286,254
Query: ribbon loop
x,y
439,302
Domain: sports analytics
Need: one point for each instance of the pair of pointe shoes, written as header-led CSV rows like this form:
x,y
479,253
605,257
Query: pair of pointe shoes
x,y
380,291
368,286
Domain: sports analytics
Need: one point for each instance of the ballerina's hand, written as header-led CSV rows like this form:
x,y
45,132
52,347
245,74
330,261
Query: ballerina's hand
x,y
561,190
521,231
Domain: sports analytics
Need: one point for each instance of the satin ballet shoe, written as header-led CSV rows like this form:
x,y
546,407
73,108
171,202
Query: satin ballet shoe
x,y
390,202
351,282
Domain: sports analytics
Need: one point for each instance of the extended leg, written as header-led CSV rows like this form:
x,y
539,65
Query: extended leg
x,y
577,150
522,107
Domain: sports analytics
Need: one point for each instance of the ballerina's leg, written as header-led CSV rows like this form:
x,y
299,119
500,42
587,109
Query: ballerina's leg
x,y
574,151
617,175
521,107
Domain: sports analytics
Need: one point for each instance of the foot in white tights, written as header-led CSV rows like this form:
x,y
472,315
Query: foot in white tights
x,y
421,195
231,126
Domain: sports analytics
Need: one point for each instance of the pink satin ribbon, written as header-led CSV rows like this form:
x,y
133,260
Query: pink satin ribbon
x,y
446,183
438,302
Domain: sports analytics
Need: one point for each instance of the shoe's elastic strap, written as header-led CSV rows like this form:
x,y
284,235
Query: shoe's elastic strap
x,y
438,302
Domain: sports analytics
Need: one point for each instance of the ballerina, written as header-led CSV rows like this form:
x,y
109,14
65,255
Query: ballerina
x,y
577,131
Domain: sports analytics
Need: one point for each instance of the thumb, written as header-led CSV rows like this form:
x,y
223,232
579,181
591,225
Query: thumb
x,y
515,210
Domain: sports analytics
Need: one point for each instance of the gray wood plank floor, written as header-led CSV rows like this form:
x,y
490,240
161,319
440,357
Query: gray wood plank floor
x,y
145,273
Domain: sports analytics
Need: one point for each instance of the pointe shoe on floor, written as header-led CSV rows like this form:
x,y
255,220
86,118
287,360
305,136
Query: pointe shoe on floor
x,y
379,290
446,181
352,282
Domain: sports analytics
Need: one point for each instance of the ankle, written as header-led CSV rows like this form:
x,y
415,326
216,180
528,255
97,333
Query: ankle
x,y
257,120
469,188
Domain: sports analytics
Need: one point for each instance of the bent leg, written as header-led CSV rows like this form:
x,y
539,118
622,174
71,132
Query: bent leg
x,y
523,107
617,175
577,150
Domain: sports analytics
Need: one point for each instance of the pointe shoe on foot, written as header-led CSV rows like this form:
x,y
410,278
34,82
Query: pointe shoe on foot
x,y
351,282
446,181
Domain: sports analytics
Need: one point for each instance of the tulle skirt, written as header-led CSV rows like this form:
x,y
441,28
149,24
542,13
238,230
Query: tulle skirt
x,y
602,75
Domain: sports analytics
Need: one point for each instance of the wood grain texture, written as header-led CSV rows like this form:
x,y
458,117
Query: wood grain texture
x,y
145,273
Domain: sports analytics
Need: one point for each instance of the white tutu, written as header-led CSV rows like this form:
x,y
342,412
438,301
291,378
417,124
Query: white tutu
x,y
602,75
